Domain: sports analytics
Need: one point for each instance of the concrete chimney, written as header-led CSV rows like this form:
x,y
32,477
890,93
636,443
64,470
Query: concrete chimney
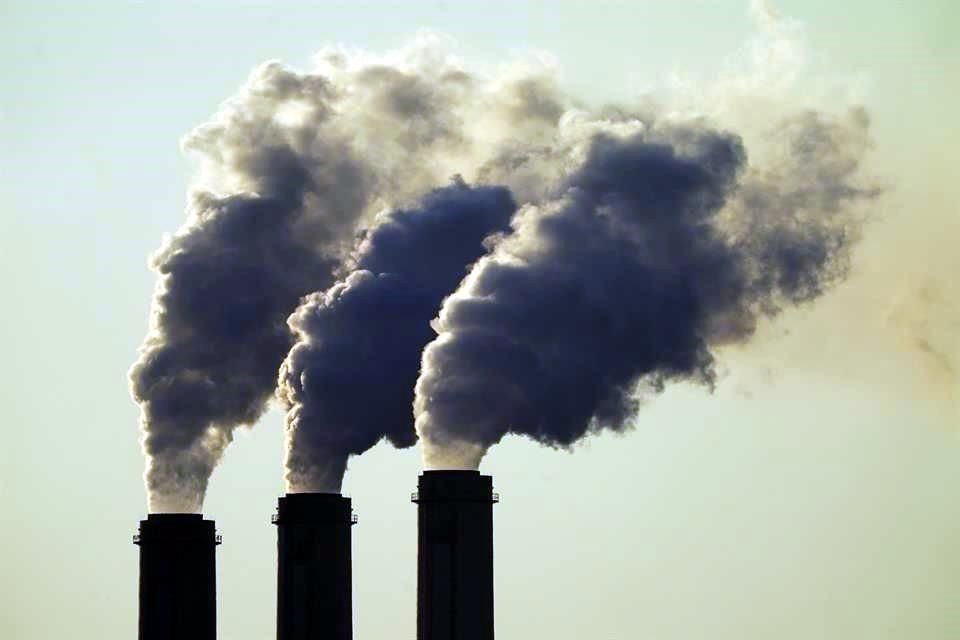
x,y
178,577
455,556
314,575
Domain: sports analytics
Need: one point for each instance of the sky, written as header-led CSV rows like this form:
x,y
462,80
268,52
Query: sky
x,y
812,494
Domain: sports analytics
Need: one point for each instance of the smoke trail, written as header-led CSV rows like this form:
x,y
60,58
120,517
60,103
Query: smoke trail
x,y
231,275
291,168
296,165
348,381
662,244
927,319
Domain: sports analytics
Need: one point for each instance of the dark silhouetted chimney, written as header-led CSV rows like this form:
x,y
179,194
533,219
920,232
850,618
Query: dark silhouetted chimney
x,y
178,577
314,576
455,556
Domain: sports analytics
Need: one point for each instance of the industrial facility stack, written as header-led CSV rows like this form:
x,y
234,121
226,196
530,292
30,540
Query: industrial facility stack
x,y
178,577
314,575
178,598
455,556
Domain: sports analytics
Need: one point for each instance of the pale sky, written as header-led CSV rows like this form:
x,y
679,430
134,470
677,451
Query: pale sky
x,y
813,495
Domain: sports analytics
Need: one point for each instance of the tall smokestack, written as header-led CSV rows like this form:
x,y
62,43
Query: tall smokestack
x,y
314,576
455,556
178,577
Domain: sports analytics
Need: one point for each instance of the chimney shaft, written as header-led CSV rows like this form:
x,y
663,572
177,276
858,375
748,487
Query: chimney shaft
x,y
314,576
455,556
178,577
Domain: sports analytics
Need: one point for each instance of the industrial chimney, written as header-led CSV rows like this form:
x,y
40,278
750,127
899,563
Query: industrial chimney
x,y
314,576
455,556
178,577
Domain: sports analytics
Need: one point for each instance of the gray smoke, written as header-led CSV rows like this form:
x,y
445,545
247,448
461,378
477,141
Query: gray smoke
x,y
232,274
662,244
646,240
348,382
292,168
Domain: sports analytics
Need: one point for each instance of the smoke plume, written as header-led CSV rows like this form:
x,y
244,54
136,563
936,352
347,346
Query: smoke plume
x,y
231,275
348,381
663,244
644,241
292,168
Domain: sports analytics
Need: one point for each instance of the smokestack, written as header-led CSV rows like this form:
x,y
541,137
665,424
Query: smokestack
x,y
455,556
314,576
178,577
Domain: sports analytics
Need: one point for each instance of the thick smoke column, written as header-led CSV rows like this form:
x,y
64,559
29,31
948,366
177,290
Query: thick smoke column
x,y
348,382
292,168
229,278
641,247
660,246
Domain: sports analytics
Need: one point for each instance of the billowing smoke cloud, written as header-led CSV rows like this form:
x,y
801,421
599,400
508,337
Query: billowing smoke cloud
x,y
348,382
232,274
646,241
661,245
292,168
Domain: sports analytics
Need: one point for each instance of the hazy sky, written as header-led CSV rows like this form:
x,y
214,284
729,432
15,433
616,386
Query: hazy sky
x,y
813,495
